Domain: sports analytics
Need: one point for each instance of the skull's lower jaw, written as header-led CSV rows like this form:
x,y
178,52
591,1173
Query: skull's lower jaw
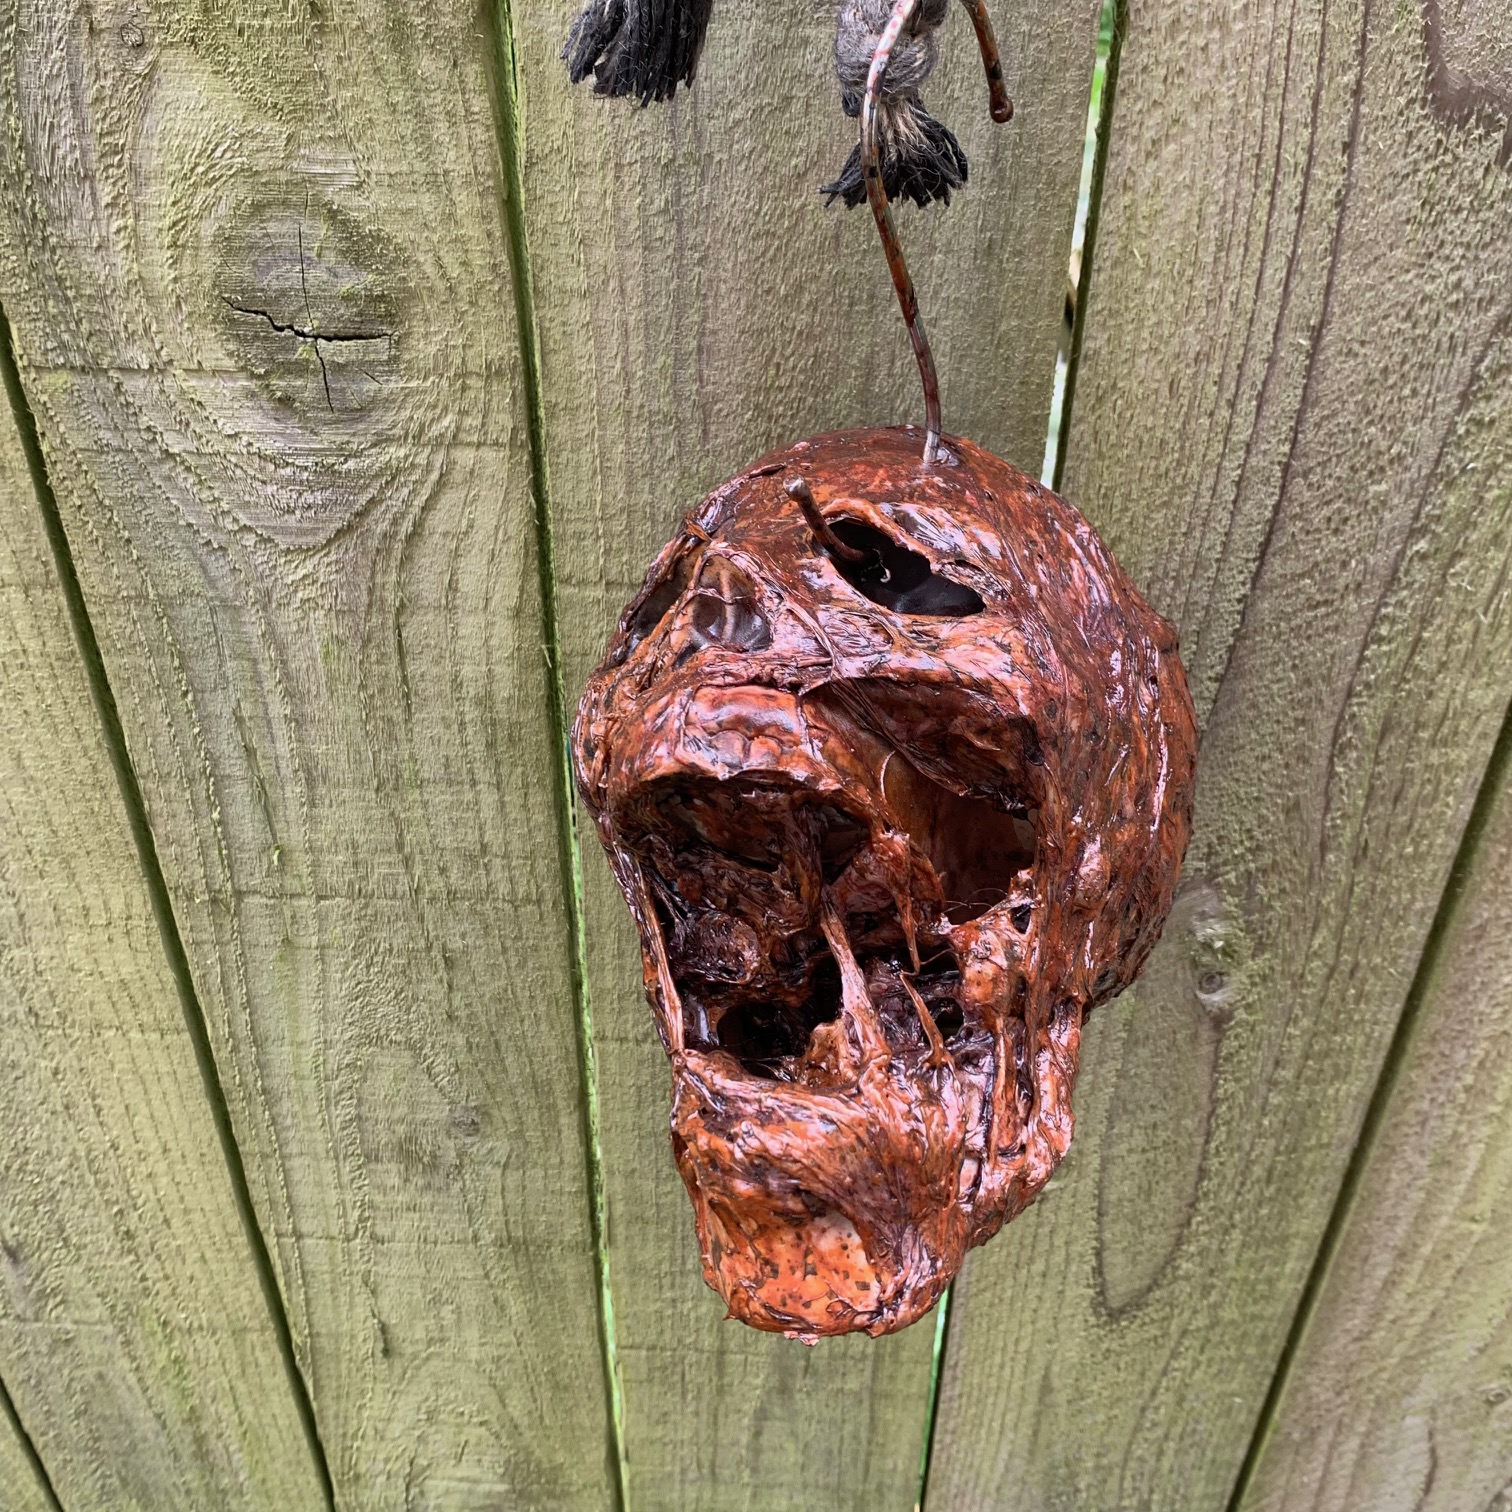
x,y
812,1276
820,1214
838,1082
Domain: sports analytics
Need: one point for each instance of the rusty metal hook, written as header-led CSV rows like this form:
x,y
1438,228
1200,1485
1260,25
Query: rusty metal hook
x,y
876,194
1001,108
798,490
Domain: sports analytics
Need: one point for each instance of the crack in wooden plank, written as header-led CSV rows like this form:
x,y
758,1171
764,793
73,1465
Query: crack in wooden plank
x,y
28,1449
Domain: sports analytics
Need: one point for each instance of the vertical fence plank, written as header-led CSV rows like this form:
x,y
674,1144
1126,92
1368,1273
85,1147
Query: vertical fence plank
x,y
256,265
1399,1398
1294,425
135,1340
697,305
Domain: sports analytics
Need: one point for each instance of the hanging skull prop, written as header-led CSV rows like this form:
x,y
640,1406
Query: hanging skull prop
x,y
894,766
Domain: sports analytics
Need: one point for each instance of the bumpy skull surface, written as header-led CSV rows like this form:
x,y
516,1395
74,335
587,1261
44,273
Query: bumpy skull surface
x,y
897,789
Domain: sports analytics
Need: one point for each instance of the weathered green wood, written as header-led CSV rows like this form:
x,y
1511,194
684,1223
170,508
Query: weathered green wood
x,y
1293,425
21,1488
135,1340
312,568
1398,1396
696,305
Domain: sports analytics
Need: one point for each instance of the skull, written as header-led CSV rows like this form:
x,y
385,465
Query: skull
x,y
894,767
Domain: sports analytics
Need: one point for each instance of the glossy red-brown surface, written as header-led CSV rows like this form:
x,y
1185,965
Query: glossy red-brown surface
x,y
891,814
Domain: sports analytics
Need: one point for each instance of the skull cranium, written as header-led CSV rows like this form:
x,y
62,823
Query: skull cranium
x,y
897,787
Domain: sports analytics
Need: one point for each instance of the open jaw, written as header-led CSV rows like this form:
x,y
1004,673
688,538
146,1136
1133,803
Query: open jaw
x,y
841,1045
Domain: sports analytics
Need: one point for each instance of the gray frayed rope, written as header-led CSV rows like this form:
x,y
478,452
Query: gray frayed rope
x,y
921,158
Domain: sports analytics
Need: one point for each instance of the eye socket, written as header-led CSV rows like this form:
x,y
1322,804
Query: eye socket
x,y
653,608
897,578
726,610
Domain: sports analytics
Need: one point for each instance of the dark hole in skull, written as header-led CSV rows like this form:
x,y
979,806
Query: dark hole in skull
x,y
652,609
737,870
949,1019
841,838
897,578
974,846
770,1034
763,1034
748,957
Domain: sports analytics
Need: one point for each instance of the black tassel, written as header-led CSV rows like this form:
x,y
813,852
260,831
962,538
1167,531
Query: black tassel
x,y
922,162
643,48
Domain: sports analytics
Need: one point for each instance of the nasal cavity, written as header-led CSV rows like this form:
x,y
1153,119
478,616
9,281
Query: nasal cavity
x,y
895,577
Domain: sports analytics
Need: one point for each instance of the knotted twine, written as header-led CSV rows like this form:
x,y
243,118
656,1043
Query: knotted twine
x,y
921,159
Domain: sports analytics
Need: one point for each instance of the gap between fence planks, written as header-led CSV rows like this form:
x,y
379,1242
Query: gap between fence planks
x,y
25,1489
697,305
256,263
135,1341
1294,425
1400,1395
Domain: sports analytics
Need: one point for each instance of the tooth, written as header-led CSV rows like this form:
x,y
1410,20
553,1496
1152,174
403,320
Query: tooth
x,y
938,1054
897,858
856,1003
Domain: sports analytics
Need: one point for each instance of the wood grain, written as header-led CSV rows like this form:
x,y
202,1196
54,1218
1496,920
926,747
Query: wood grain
x,y
135,1341
1294,424
257,269
1399,1398
697,305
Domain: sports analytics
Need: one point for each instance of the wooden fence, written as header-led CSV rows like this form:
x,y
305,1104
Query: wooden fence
x,y
357,365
